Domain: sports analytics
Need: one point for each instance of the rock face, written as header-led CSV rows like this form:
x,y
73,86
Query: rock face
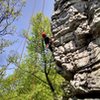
x,y
76,30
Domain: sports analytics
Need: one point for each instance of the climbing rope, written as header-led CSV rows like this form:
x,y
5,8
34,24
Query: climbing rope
x,y
45,83
25,45
34,6
43,6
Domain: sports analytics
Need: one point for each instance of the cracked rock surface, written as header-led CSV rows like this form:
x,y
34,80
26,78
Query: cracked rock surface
x,y
76,31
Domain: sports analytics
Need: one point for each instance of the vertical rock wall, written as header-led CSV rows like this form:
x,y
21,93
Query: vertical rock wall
x,y
76,31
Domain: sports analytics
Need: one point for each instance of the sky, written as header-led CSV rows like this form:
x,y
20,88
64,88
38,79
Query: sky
x,y
32,7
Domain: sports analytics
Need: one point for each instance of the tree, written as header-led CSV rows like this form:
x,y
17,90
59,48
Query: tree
x,y
36,47
30,80
10,10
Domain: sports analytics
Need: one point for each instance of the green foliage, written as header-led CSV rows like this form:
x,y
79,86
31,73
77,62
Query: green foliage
x,y
41,57
40,23
29,81
4,43
10,10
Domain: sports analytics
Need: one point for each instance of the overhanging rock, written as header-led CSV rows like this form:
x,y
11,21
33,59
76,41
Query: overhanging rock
x,y
76,30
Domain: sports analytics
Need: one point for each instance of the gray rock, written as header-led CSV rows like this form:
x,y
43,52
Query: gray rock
x,y
76,30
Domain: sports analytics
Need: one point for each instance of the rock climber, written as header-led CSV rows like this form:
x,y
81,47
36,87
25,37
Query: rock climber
x,y
47,40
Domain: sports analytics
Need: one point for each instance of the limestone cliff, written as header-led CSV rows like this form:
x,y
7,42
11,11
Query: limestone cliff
x,y
76,31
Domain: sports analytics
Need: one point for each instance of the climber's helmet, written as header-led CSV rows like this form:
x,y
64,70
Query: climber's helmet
x,y
43,34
